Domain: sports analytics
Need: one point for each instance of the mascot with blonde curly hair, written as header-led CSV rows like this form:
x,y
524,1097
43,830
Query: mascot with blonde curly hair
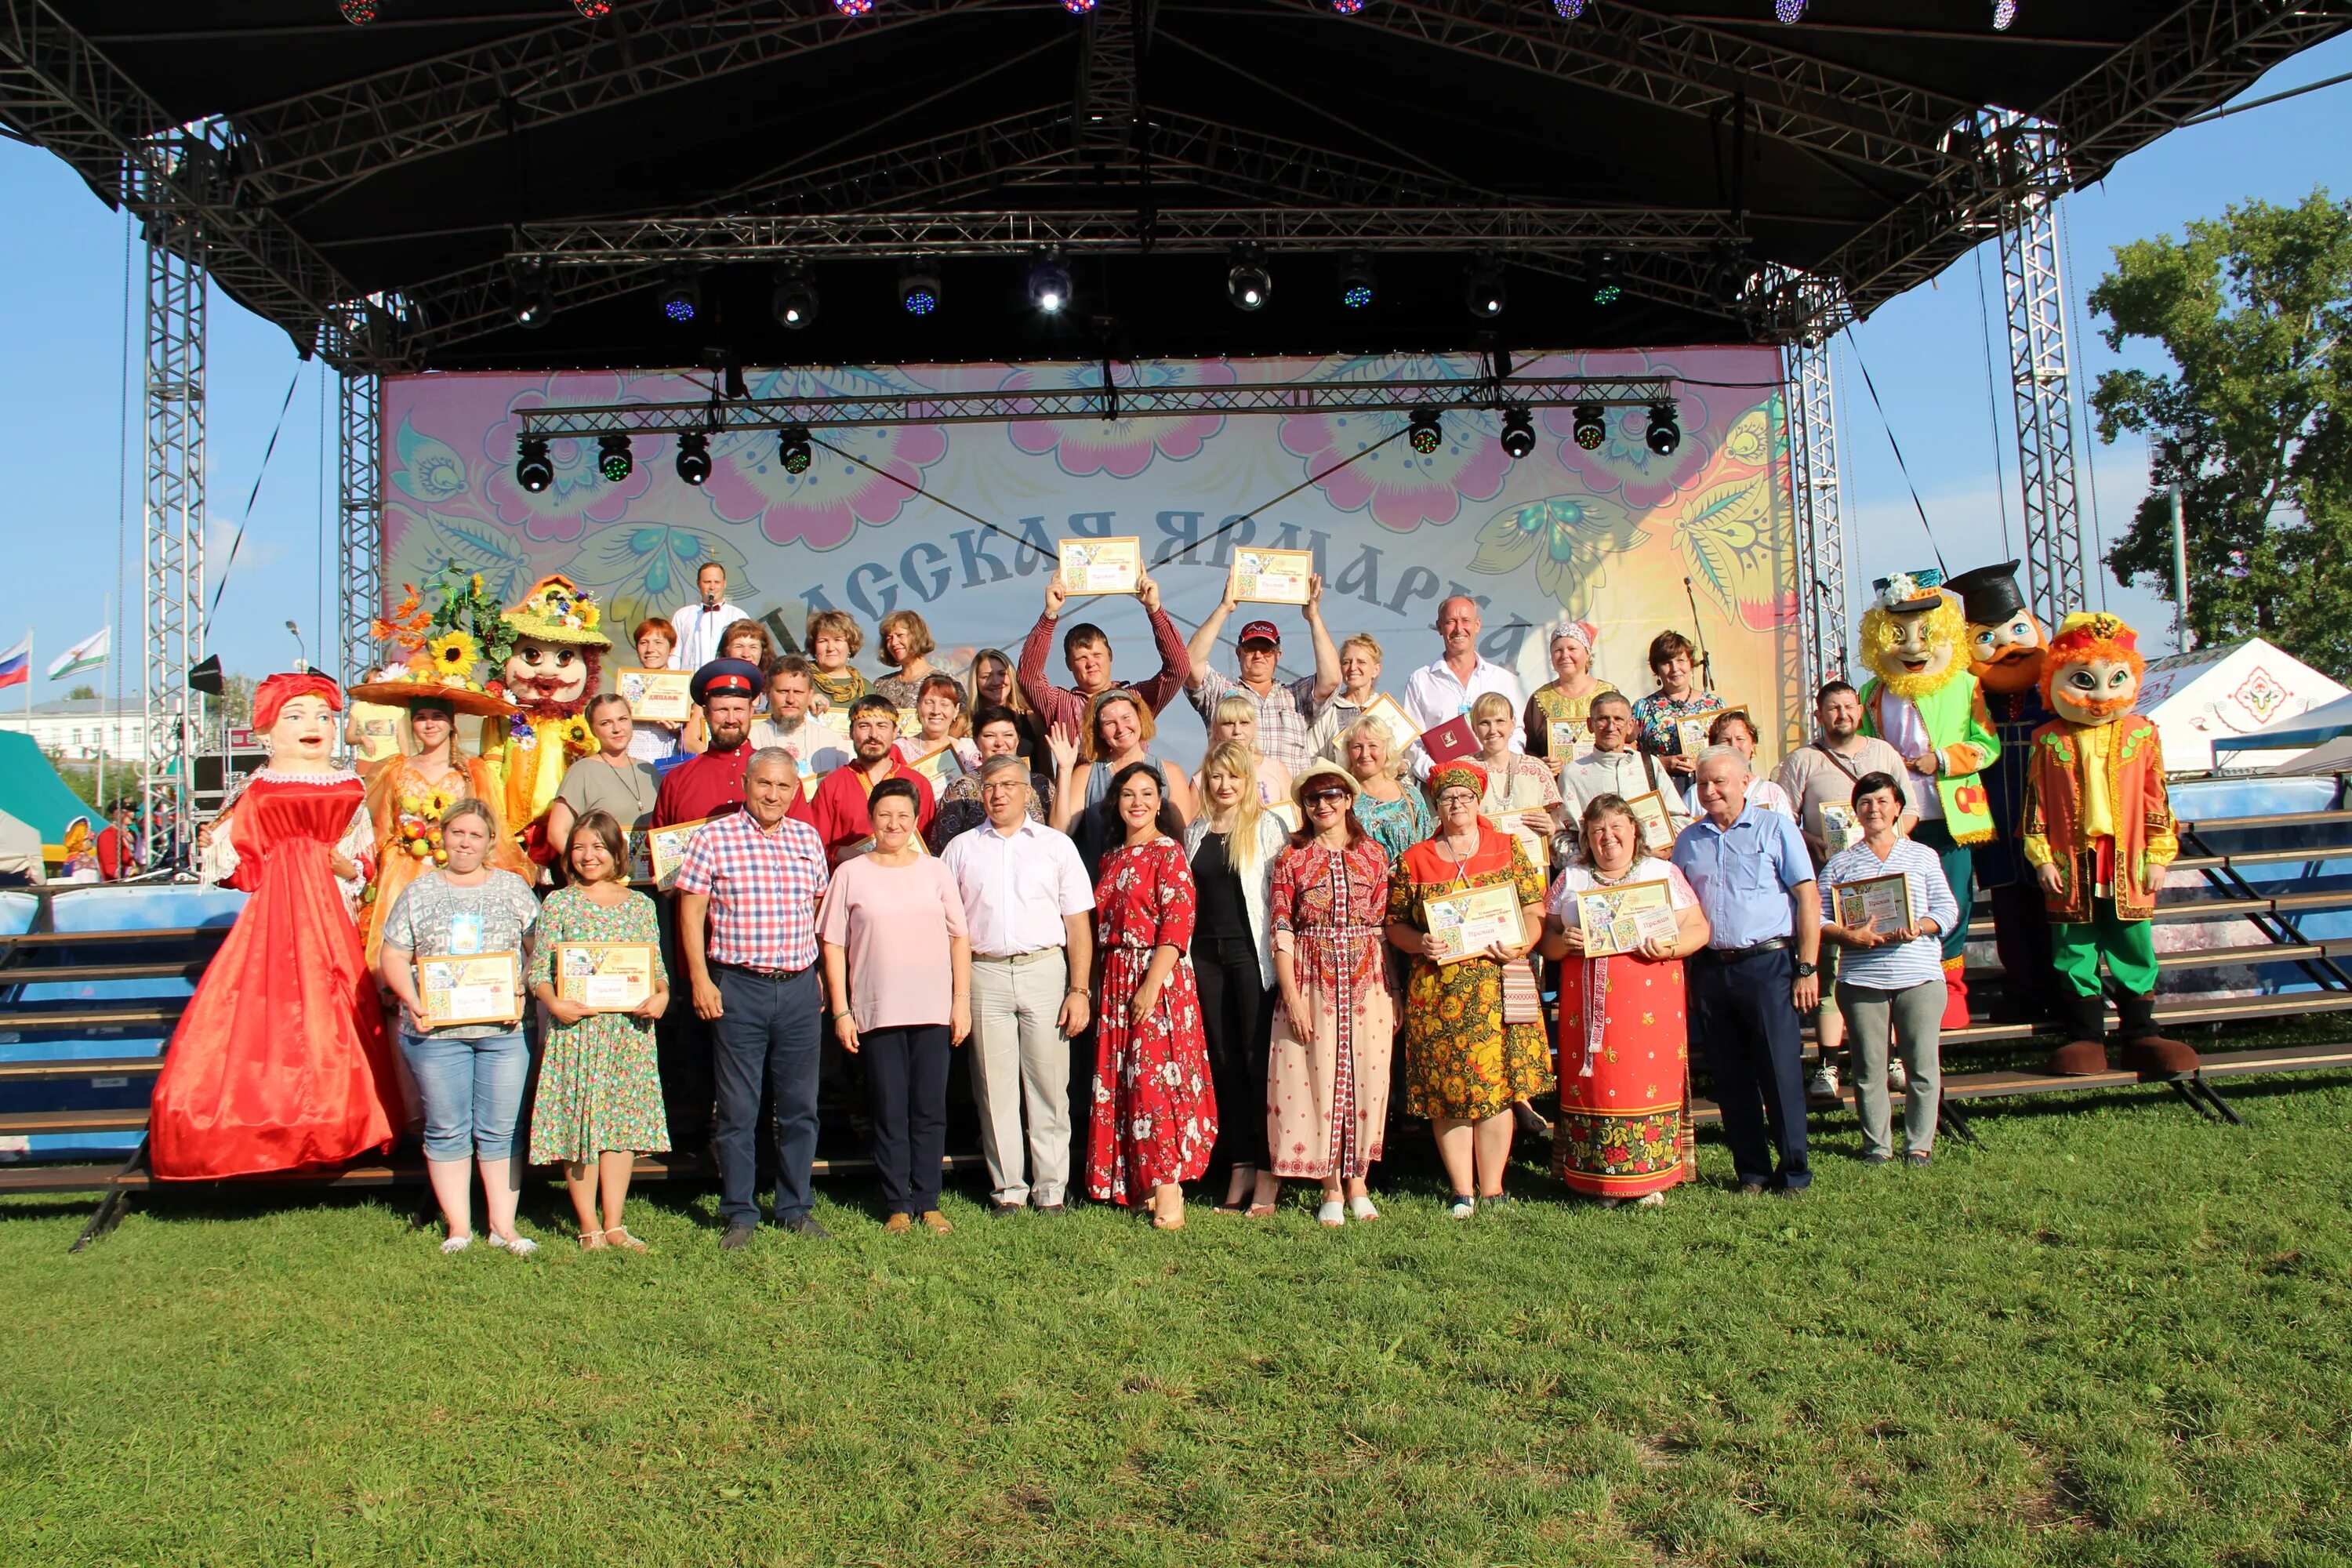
x,y
1922,700
2098,832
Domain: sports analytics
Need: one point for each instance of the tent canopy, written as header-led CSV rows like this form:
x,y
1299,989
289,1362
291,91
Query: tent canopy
x,y
31,791
2309,728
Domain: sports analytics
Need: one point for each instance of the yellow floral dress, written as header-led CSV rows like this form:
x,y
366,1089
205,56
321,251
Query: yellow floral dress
x,y
1462,1062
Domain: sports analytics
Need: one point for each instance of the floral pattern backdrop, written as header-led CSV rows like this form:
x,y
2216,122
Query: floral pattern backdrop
x,y
956,521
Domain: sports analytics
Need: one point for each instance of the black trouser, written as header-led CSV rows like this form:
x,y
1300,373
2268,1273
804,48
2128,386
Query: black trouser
x,y
1743,1016
2021,933
906,1092
766,1037
1237,1022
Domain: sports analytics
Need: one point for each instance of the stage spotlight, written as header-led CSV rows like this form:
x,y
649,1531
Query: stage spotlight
x,y
1665,432
1604,280
533,470
694,457
1519,434
358,12
1358,286
681,296
1568,10
533,308
592,9
1247,282
1592,426
795,301
1424,435
1078,7
612,459
918,292
1788,11
1347,8
1049,281
792,447
2004,12
1483,291
854,7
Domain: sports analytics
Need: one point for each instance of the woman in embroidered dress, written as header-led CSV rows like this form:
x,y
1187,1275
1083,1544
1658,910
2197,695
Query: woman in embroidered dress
x,y
1566,697
1328,1089
1155,1114
1624,1055
407,797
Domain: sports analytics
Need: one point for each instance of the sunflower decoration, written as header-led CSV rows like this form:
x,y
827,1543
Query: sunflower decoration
x,y
454,653
577,736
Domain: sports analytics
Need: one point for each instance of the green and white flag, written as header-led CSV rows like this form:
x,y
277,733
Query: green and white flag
x,y
88,654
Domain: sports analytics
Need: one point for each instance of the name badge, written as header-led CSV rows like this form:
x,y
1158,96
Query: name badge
x,y
465,933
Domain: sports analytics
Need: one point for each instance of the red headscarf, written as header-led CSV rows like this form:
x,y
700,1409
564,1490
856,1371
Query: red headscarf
x,y
273,693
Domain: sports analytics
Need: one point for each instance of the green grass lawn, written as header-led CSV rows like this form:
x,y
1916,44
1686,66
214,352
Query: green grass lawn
x,y
2112,1334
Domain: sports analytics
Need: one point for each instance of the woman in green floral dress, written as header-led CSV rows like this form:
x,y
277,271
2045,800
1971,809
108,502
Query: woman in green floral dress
x,y
600,1102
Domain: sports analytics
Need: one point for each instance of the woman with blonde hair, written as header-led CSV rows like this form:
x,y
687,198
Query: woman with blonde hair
x,y
1394,813
1232,848
1120,727
1359,678
905,642
833,640
1234,718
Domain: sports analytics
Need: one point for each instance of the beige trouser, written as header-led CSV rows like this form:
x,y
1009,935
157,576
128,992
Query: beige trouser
x,y
1020,1062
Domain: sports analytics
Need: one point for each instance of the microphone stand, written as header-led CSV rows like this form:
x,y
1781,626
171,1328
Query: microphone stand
x,y
1705,659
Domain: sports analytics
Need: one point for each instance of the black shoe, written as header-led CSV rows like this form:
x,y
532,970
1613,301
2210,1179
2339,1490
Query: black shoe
x,y
1752,1189
999,1210
807,1226
1874,1158
1053,1211
737,1238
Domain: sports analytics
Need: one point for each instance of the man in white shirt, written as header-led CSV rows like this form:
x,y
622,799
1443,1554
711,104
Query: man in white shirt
x,y
698,624
817,748
1027,903
1439,691
1615,765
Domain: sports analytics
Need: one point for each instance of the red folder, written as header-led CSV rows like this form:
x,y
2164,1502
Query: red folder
x,y
1451,740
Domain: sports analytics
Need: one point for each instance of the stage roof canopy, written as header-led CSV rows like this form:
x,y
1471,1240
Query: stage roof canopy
x,y
388,192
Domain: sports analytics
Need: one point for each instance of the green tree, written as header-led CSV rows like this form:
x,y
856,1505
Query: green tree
x,y
2253,310
81,694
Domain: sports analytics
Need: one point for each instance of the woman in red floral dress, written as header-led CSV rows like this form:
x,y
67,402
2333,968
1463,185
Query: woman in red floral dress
x,y
1155,1115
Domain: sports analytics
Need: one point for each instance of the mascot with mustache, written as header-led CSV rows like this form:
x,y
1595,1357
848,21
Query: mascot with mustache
x,y
2098,832
550,671
1922,700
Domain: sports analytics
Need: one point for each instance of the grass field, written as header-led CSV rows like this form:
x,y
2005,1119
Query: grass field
x,y
2111,1334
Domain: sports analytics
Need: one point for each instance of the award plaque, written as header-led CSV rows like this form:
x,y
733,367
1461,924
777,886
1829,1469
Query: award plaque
x,y
666,850
1468,922
910,722
1284,812
1401,733
1272,576
1101,565
605,977
1536,845
656,696
1840,831
1620,919
1657,822
1690,734
1884,901
1566,737
470,988
939,765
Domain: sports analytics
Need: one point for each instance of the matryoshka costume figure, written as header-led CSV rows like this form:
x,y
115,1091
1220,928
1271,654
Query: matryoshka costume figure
x,y
2099,831
549,672
280,1061
1922,700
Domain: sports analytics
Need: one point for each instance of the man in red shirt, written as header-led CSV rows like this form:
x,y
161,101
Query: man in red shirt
x,y
1087,651
838,810
711,784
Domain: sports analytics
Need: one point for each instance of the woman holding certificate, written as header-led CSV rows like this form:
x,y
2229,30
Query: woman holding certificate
x,y
597,970
1620,922
1467,905
1565,698
407,797
1888,904
453,950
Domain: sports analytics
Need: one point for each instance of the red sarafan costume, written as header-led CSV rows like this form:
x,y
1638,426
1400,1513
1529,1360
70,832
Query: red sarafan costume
x,y
280,1062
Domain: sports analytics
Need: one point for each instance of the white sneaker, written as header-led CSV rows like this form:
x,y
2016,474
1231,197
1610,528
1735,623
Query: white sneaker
x,y
1897,1080
1824,1083
521,1246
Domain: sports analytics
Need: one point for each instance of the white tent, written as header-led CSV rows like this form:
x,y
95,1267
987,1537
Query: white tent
x,y
2291,737
20,850
2211,699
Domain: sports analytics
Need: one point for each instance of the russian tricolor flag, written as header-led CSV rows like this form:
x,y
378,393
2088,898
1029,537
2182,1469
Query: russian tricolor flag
x,y
17,664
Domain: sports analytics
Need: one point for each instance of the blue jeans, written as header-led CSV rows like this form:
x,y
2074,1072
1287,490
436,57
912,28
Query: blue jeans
x,y
1743,1016
767,1030
472,1091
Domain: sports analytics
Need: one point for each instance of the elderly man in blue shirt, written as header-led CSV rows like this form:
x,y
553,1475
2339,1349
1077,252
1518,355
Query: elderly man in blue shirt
x,y
1755,881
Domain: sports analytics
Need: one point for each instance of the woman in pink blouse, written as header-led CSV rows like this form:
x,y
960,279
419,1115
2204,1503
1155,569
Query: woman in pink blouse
x,y
897,968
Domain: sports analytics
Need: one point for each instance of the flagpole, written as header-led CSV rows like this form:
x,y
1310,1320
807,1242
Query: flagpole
x,y
106,614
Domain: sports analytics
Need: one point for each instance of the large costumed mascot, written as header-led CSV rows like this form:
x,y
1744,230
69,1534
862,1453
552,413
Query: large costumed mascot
x,y
1922,700
2098,832
280,1061
2006,649
549,671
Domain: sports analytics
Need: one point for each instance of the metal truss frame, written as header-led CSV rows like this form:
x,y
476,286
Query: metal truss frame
x,y
1105,402
359,525
1824,633
2041,369
172,624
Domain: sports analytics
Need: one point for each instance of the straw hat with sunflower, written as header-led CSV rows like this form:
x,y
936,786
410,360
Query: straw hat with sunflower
x,y
441,650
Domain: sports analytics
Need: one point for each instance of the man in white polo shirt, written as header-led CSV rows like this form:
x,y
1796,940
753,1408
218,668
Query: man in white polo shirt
x,y
1439,691
1027,903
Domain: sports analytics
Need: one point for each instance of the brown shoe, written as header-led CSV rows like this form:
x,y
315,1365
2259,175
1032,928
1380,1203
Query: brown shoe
x,y
937,1222
897,1225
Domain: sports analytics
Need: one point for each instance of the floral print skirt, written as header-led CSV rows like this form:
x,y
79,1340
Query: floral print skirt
x,y
1462,1062
1155,1114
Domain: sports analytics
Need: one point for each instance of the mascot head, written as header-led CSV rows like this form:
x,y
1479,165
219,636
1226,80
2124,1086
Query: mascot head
x,y
2006,644
2094,668
294,712
553,669
1912,638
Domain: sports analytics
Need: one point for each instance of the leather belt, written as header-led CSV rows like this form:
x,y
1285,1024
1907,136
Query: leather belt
x,y
1035,956
1733,955
756,970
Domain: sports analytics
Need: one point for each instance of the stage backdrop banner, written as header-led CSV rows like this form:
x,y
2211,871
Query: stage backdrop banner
x,y
1619,536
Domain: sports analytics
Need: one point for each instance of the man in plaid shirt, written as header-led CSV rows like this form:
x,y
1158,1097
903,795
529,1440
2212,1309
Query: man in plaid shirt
x,y
1286,710
756,877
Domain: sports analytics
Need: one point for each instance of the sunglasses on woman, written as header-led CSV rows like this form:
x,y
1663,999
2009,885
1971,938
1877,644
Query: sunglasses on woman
x,y
1317,797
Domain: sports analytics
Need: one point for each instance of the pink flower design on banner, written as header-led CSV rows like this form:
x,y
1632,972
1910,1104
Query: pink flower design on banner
x,y
1121,447
822,506
581,495
1403,489
1623,464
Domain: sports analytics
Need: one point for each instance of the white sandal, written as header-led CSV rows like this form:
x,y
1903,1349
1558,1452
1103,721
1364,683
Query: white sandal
x,y
1362,1207
1332,1213
521,1246
454,1244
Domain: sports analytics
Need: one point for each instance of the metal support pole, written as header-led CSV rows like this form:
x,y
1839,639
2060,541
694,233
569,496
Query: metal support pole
x,y
2182,635
2032,164
1818,510
359,530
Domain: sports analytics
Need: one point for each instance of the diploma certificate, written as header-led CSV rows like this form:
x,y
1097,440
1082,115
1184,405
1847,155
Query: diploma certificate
x,y
1620,919
608,976
1840,831
1566,737
1884,901
1272,576
666,850
1536,845
1657,822
1468,922
1101,565
933,764
656,696
470,988
1285,812
1388,711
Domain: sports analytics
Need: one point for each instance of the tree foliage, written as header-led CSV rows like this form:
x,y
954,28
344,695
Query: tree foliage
x,y
2252,307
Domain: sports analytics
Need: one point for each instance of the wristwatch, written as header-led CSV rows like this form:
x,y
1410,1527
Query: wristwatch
x,y
1807,970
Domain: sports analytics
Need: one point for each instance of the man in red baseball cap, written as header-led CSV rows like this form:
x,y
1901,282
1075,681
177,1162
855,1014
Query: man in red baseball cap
x,y
1286,710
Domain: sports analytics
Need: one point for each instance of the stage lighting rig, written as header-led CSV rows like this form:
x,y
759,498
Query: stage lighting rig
x,y
1568,10
612,459
694,457
2004,12
681,296
1483,291
1358,285
592,9
1078,7
918,292
793,448
1788,11
1247,282
358,12
1604,279
854,7
1665,431
1348,8
1519,433
793,303
533,306
1049,281
533,470
1424,435
1592,426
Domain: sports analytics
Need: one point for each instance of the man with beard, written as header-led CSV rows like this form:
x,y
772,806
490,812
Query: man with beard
x,y
711,784
837,811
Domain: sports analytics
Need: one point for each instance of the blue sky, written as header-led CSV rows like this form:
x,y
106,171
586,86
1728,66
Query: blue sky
x,y
62,259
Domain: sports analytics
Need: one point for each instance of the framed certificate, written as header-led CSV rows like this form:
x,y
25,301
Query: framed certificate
x,y
1467,923
1285,812
470,988
910,722
666,850
1657,822
1272,576
1884,901
608,976
836,719
1566,737
1620,919
1536,845
1839,830
1388,711
936,763
1690,734
1101,565
656,696
641,860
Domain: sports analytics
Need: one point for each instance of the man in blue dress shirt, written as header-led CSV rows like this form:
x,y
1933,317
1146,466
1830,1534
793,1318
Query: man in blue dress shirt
x,y
1755,881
